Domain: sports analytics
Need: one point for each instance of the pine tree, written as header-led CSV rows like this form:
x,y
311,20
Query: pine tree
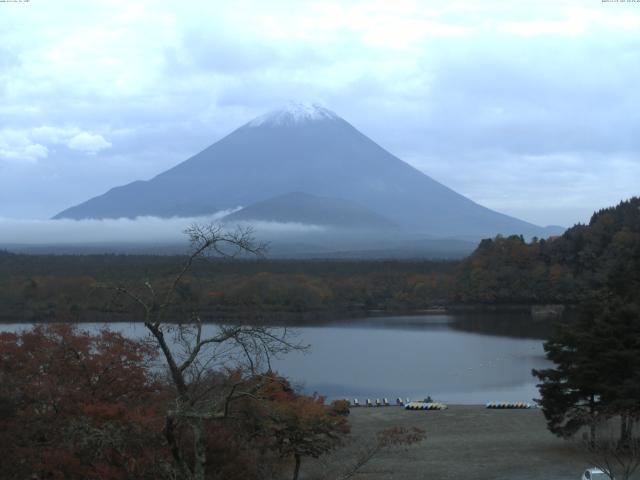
x,y
597,369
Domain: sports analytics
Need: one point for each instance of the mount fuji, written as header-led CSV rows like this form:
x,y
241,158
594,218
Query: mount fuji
x,y
305,164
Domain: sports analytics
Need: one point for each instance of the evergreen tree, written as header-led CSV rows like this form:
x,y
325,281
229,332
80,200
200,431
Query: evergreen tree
x,y
597,368
570,391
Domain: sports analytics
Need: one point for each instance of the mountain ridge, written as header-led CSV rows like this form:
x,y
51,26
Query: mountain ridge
x,y
305,149
300,207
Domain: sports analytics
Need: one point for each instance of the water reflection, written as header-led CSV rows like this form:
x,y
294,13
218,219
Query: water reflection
x,y
453,358
509,324
417,356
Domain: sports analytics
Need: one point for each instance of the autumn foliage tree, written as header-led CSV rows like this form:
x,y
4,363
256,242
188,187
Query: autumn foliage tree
x,y
605,254
78,406
194,401
303,426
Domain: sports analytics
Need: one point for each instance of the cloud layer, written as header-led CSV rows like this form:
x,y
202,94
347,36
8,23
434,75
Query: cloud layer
x,y
146,230
528,108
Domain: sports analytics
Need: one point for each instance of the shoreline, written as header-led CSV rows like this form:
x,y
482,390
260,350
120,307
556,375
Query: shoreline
x,y
536,312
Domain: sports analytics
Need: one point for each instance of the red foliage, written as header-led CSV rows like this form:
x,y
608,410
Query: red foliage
x,y
303,426
76,405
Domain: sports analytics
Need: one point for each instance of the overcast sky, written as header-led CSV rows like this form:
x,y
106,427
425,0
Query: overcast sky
x,y
530,108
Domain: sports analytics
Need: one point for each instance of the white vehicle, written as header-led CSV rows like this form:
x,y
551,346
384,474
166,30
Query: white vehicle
x,y
595,474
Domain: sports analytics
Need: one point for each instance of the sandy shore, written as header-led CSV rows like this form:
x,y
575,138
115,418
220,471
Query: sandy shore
x,y
467,442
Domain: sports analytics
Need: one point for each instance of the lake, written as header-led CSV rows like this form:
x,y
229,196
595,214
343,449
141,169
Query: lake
x,y
458,359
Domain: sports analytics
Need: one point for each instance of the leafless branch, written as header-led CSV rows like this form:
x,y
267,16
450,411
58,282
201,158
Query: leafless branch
x,y
194,353
617,459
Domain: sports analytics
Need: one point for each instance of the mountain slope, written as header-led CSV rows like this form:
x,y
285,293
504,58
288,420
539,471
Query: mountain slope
x,y
310,209
303,149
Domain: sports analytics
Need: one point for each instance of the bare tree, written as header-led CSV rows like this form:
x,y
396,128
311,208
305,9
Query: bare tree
x,y
350,463
192,350
617,459
390,438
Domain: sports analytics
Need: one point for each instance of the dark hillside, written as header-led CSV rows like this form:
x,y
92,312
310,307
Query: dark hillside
x,y
603,254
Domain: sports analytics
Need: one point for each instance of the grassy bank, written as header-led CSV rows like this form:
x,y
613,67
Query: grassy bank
x,y
466,442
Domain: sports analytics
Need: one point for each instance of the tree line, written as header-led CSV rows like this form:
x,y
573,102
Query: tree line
x,y
80,405
502,270
563,269
187,402
69,288
592,391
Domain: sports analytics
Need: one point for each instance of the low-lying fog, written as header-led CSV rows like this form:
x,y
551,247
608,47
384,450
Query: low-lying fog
x,y
166,235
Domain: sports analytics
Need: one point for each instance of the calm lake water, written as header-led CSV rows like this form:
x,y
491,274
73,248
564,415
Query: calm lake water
x,y
458,359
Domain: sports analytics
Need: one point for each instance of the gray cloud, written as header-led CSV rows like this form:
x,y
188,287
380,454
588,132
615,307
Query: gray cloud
x,y
510,105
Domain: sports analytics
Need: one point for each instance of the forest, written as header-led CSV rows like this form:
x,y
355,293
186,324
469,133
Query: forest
x,y
183,403
501,271
81,405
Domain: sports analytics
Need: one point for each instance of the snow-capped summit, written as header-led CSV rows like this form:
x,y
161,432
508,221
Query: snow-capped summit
x,y
294,113
340,176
